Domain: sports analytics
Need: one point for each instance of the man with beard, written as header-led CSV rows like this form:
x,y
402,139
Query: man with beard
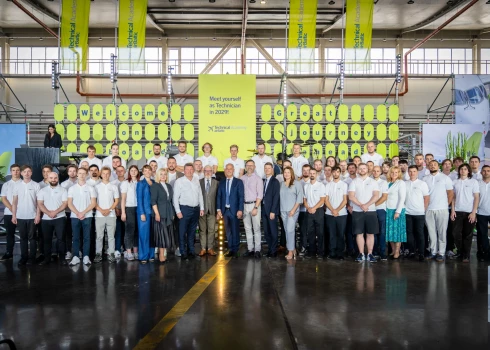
x,y
318,166
404,168
437,215
336,214
116,162
313,201
52,201
172,173
94,179
182,158
158,157
71,181
302,218
419,162
475,168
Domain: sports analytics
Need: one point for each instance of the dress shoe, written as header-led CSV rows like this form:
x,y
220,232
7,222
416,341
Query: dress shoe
x,y
229,254
192,255
63,262
202,252
258,255
235,255
272,255
421,257
183,256
46,261
248,254
6,256
39,258
29,262
212,252
22,262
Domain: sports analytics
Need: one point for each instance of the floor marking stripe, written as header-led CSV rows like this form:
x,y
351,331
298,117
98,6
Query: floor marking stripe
x,y
167,323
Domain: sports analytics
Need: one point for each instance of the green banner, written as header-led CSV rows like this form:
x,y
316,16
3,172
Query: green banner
x,y
132,34
74,34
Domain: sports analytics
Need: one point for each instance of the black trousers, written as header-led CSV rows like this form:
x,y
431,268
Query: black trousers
x,y
10,227
270,231
131,229
282,238
415,233
68,233
303,230
449,236
27,238
336,228
56,226
315,223
463,233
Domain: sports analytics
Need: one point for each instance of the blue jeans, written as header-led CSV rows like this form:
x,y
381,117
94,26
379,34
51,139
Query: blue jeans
x,y
380,239
187,226
85,226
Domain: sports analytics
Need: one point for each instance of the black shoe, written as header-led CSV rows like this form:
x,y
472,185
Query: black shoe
x,y
54,258
383,258
308,256
22,262
272,255
480,256
421,257
39,258
319,257
248,254
258,255
29,262
235,255
63,262
411,256
341,258
229,254
191,255
183,256
44,262
6,256
332,257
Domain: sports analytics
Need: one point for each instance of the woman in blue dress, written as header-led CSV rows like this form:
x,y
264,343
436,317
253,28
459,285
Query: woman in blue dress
x,y
144,211
396,231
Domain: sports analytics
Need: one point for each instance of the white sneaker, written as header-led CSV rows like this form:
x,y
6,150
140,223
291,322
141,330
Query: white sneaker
x,y
68,256
75,261
125,254
177,252
117,255
130,257
135,256
86,260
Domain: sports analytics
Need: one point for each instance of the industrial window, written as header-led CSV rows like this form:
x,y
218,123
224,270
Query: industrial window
x,y
443,61
485,61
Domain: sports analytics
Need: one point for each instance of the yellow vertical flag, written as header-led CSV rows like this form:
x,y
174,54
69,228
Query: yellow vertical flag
x,y
132,34
358,33
74,34
302,35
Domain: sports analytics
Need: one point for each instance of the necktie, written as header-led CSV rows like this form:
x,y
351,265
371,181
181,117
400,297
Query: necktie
x,y
227,192
207,186
266,182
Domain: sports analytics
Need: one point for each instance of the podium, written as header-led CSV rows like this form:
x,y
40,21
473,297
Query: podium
x,y
37,157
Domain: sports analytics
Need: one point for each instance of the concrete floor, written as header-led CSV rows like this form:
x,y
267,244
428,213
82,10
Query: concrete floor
x,y
252,304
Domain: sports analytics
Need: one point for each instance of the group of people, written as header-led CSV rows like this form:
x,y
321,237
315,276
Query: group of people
x,y
331,210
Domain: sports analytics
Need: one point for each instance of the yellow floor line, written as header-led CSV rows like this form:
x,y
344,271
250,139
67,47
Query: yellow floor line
x,y
156,335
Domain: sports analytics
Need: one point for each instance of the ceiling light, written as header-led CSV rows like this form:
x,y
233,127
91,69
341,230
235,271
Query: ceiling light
x,y
410,2
214,39
100,38
159,38
262,1
41,39
330,39
186,38
331,2
252,1
384,39
11,39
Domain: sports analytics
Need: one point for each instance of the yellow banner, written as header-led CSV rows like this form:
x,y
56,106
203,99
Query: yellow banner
x,y
74,34
302,35
132,34
358,31
227,114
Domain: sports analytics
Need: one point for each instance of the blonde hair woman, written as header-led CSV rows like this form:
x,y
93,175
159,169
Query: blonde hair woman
x,y
396,231
161,202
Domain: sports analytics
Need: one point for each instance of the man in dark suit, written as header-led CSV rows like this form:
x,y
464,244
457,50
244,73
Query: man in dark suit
x,y
229,205
207,223
270,209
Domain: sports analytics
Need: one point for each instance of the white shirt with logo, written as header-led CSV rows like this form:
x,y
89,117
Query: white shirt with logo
x,y
238,165
81,198
414,200
364,191
297,165
376,158
335,191
161,161
464,191
438,185
52,199
313,193
183,160
26,199
383,189
484,205
260,163
106,194
8,191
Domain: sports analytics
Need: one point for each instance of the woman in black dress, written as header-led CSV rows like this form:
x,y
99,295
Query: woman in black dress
x,y
161,202
52,138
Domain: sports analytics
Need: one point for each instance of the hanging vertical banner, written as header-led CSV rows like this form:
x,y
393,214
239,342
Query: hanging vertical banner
x,y
132,34
302,35
74,34
358,33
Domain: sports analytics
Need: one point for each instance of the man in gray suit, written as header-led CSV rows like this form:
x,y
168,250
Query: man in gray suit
x,y
207,222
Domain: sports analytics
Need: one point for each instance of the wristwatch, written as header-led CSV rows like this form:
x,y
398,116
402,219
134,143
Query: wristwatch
x,y
256,207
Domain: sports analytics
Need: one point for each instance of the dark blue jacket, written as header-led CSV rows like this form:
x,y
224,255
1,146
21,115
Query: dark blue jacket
x,y
237,196
270,201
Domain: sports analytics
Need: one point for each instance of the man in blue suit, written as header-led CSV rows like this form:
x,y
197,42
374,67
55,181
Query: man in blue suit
x,y
270,209
229,204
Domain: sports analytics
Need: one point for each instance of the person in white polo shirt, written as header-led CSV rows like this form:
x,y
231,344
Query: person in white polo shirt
x,y
26,214
437,215
419,162
371,155
105,217
94,178
114,153
363,194
336,214
475,168
182,158
456,164
416,203
82,199
297,160
238,163
380,239
207,158
92,159
46,170
52,201
71,181
302,218
313,200
483,216
260,159
463,210
158,157
7,195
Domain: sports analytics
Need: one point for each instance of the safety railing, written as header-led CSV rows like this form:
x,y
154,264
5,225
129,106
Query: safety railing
x,y
253,66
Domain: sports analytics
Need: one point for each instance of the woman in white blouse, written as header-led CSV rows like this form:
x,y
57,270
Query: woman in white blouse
x,y
128,212
463,210
396,231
